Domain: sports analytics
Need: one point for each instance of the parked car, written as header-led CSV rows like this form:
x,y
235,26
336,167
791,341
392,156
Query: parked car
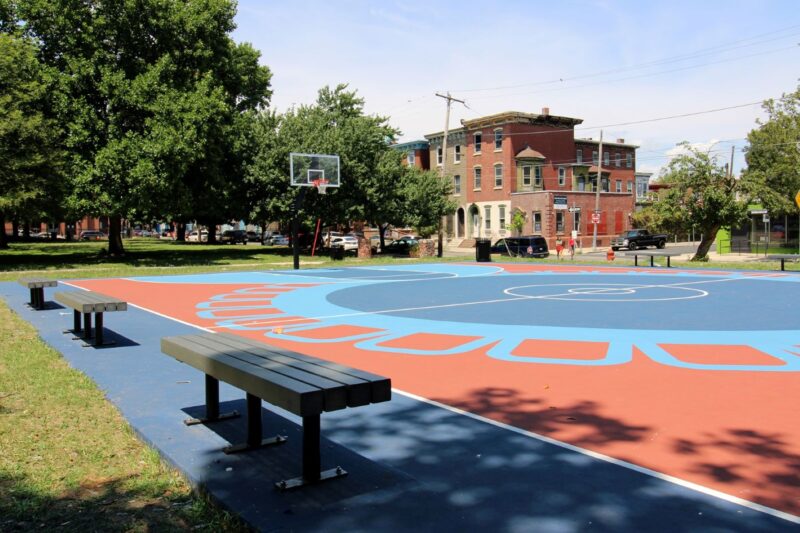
x,y
348,242
399,247
526,246
233,236
276,239
197,236
92,235
638,238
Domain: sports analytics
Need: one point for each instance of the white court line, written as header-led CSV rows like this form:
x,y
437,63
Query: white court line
x,y
443,306
612,460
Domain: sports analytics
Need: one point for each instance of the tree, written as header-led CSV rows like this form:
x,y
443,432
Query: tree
x,y
700,194
335,124
152,98
773,155
427,199
517,223
31,155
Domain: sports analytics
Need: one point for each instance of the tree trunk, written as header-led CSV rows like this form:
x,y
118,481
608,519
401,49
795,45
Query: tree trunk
x,y
3,236
706,240
212,233
26,231
180,235
115,248
14,230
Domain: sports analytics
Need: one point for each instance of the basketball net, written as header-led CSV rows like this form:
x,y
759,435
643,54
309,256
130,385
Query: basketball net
x,y
321,185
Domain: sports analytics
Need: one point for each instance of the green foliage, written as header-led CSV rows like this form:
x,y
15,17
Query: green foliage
x,y
517,223
773,157
156,100
427,199
31,157
700,194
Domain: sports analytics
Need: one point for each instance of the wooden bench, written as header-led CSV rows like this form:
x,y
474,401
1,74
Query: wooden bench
x,y
652,254
85,303
36,286
783,258
301,384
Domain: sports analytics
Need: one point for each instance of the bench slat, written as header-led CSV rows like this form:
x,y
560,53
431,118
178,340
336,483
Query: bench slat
x,y
380,386
37,283
90,302
334,392
294,396
359,387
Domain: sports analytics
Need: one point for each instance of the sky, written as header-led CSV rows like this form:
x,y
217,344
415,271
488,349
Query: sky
x,y
607,62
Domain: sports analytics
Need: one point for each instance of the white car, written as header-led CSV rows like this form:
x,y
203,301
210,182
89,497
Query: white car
x,y
347,242
277,240
195,236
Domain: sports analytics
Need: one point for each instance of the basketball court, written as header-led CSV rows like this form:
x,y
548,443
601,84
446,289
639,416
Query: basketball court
x,y
643,397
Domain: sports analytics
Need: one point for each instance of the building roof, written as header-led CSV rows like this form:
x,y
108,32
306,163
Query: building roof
x,y
454,132
421,144
529,153
518,117
606,143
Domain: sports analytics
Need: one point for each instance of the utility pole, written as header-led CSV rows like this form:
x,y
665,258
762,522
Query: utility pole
x,y
597,192
449,99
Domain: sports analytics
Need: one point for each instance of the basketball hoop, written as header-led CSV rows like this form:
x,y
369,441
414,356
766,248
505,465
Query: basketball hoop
x,y
321,185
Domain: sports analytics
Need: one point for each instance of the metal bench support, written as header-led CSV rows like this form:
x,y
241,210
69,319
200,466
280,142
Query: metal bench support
x,y
312,458
254,430
212,405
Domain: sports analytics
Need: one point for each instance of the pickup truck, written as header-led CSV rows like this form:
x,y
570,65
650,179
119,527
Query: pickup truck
x,y
638,238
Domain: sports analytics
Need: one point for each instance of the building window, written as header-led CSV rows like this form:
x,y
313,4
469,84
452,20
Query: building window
x,y
537,176
606,159
439,156
478,140
457,154
477,178
579,156
594,157
456,184
618,186
498,139
629,186
526,176
641,189
498,176
562,176
537,222
559,221
617,159
629,160
605,184
410,158
487,217
502,217
576,221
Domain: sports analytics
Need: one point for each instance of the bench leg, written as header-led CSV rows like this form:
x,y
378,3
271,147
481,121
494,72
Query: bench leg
x,y
782,265
254,432
636,260
651,261
668,265
87,326
212,405
312,461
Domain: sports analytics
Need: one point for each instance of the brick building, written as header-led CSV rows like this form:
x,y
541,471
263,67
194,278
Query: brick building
x,y
533,163
416,152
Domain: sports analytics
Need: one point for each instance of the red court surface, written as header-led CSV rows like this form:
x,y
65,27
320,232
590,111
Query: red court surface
x,y
733,431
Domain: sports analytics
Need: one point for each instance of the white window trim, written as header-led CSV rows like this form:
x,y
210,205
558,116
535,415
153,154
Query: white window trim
x,y
477,144
529,168
487,217
618,186
562,176
629,160
457,153
500,166
457,191
607,159
578,155
595,157
480,185
411,157
439,156
617,159
538,177
494,140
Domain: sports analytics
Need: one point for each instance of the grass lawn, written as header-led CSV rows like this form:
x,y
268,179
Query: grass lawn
x,y
68,461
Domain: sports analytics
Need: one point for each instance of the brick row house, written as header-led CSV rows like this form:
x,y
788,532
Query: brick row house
x,y
533,163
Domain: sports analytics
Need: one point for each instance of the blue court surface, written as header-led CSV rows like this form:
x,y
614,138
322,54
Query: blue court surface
x,y
480,356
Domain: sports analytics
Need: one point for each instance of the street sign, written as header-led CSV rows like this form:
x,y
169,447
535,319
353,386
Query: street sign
x,y
765,217
797,199
595,218
574,209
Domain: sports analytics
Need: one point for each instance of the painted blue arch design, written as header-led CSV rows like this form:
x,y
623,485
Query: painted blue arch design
x,y
342,302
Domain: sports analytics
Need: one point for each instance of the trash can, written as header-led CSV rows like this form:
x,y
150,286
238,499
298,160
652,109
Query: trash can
x,y
337,252
483,250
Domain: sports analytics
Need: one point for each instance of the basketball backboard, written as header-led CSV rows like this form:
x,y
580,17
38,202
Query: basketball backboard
x,y
306,169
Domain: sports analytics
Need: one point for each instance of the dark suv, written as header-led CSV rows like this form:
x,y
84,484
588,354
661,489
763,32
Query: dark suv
x,y
232,236
527,246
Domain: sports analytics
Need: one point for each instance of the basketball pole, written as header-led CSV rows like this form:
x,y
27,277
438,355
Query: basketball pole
x,y
298,201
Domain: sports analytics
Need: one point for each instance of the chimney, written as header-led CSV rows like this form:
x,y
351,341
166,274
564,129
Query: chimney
x,y
621,141
545,111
